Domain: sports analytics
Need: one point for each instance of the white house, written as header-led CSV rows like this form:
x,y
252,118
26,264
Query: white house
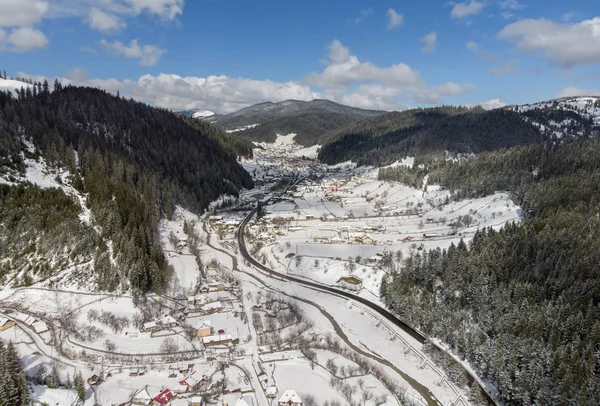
x,y
289,398
350,283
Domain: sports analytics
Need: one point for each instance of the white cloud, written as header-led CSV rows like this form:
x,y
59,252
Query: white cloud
x,y
510,5
466,9
508,67
568,45
19,13
395,19
575,91
492,104
26,39
472,46
105,22
148,55
429,40
344,69
344,79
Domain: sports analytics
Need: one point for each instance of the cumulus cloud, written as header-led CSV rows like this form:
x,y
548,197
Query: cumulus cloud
x,y
147,55
344,79
20,17
394,19
575,91
344,69
568,45
22,13
430,41
467,9
105,22
492,104
24,39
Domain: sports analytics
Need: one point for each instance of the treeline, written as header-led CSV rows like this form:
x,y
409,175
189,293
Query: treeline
x,y
133,161
521,304
13,385
39,225
381,140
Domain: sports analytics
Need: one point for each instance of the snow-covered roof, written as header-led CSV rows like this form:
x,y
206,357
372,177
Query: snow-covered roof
x,y
168,320
212,305
217,338
149,325
271,390
241,402
142,395
290,395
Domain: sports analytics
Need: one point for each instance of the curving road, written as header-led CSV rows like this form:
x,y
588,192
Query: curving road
x,y
413,332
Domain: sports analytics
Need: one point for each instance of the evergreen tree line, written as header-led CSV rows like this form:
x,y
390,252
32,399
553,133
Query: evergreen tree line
x,y
521,304
38,225
134,163
380,141
13,386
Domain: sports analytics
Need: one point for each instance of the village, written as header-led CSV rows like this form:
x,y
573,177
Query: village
x,y
226,334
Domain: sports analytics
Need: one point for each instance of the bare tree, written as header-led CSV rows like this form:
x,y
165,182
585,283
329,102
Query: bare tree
x,y
169,345
109,345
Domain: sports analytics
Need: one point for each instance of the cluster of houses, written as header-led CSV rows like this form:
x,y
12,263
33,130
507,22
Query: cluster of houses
x,y
37,325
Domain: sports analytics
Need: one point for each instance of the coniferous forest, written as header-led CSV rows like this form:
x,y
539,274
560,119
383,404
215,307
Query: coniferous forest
x,y
13,385
520,304
132,161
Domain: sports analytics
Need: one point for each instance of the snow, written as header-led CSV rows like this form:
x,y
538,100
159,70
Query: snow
x,y
12,85
203,114
238,129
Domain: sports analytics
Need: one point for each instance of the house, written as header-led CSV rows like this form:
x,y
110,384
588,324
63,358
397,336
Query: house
x,y
204,330
271,392
429,235
195,401
190,382
217,339
167,322
213,307
5,323
151,326
143,397
367,239
39,327
350,283
215,218
163,398
289,398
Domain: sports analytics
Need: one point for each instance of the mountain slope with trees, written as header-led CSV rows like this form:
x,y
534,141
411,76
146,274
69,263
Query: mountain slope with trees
x,y
309,120
520,304
382,140
131,161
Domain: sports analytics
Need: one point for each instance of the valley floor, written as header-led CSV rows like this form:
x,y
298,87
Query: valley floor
x,y
226,330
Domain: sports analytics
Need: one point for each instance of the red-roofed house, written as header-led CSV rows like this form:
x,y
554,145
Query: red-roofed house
x,y
163,398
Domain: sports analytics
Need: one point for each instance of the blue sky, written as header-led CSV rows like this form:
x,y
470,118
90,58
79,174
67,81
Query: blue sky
x,y
222,55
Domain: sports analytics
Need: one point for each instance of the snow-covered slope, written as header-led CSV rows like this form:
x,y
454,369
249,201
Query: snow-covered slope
x,y
568,116
203,114
12,85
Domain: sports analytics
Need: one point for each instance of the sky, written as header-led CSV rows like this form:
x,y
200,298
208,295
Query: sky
x,y
222,55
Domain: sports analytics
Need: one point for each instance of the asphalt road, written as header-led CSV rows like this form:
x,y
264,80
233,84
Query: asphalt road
x,y
417,335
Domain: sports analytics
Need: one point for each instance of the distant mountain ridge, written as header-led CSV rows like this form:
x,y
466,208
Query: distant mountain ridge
x,y
309,120
384,139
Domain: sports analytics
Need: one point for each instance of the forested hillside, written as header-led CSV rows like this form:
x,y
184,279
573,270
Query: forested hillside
x,y
308,120
521,304
382,140
131,161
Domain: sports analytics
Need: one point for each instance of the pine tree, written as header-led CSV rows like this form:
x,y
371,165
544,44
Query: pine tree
x,y
80,386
